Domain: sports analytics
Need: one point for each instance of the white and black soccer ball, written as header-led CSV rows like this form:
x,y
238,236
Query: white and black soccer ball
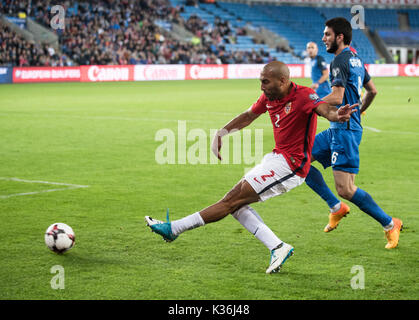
x,y
59,237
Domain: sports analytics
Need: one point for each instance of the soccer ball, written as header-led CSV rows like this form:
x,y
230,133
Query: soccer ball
x,y
59,237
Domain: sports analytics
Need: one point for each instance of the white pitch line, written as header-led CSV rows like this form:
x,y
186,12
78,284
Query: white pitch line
x,y
195,112
365,127
69,187
118,118
190,120
45,182
402,132
372,129
162,119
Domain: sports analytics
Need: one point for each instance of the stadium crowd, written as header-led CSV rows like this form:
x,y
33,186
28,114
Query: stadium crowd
x,y
16,51
121,32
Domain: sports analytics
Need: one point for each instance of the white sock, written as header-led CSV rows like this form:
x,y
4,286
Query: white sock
x,y
336,208
189,222
389,226
253,223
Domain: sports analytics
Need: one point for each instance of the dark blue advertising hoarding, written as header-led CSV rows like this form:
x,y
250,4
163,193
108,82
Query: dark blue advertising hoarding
x,y
5,75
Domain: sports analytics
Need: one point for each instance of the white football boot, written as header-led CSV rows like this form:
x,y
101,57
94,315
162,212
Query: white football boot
x,y
278,256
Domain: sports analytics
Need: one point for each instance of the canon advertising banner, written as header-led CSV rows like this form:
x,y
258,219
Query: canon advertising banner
x,y
98,73
409,70
244,71
151,72
107,73
382,70
206,71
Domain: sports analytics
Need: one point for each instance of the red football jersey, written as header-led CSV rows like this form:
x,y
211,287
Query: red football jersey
x,y
294,123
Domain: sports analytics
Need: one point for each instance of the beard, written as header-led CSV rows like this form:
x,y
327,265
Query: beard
x,y
272,96
333,47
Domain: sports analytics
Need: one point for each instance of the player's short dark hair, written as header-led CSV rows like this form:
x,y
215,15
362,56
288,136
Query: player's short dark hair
x,y
340,25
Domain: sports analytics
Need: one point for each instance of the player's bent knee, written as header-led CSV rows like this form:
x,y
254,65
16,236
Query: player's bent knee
x,y
248,194
242,194
345,192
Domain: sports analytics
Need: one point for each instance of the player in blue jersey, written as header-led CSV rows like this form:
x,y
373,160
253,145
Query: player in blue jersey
x,y
338,146
319,71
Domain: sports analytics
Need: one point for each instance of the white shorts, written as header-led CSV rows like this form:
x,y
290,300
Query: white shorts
x,y
272,177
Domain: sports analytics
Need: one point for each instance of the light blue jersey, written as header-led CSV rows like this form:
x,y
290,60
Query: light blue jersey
x,y
318,64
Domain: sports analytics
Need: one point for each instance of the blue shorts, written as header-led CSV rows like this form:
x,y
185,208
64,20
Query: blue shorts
x,y
338,148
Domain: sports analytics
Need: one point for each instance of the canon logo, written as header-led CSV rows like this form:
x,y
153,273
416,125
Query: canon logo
x,y
203,72
161,73
248,72
296,71
412,70
383,70
244,71
96,73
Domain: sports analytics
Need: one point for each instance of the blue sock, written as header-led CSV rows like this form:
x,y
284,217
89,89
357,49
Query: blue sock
x,y
316,182
366,203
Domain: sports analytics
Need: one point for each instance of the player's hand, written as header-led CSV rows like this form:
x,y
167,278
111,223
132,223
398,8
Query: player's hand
x,y
314,86
216,145
345,112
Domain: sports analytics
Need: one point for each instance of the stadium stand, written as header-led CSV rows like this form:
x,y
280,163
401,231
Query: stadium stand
x,y
390,31
124,32
141,32
297,24
16,51
381,18
413,16
240,16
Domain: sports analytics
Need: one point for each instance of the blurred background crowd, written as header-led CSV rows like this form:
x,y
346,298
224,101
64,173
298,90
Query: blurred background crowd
x,y
120,32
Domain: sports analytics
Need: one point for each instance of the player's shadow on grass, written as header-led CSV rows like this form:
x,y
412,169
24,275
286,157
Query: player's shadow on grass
x,y
90,259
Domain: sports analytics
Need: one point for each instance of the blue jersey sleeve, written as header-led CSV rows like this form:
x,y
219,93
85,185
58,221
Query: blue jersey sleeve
x,y
321,63
339,73
367,77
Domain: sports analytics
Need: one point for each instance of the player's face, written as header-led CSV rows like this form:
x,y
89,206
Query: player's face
x,y
312,50
272,87
329,39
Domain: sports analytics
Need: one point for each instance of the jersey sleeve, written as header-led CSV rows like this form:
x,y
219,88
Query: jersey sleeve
x,y
259,106
321,63
310,99
366,77
339,73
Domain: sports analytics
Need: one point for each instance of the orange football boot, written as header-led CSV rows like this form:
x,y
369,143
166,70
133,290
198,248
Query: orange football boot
x,y
335,217
394,234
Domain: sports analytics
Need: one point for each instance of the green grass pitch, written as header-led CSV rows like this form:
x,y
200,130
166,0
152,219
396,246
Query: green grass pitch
x,y
103,135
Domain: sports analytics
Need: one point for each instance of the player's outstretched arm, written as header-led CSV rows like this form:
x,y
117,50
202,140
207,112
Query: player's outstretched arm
x,y
334,114
242,120
335,98
369,96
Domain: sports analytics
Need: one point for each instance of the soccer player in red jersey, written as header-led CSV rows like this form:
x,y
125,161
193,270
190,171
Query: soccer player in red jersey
x,y
293,110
